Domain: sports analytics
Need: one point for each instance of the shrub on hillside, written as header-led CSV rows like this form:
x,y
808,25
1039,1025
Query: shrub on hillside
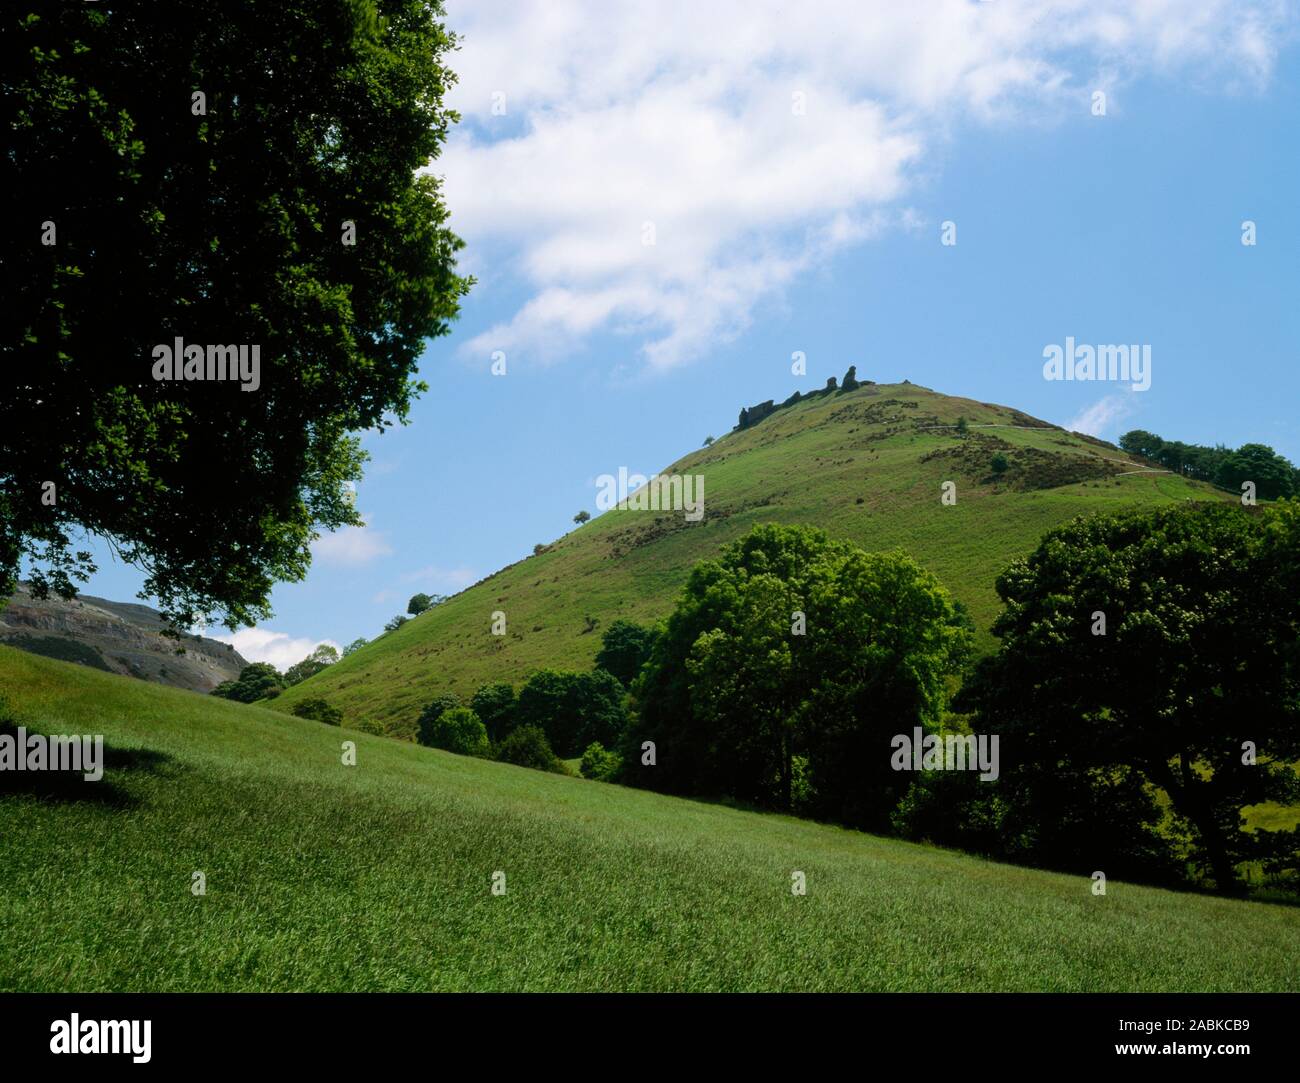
x,y
573,709
527,746
433,710
261,680
495,705
458,730
624,649
319,710
599,764
320,659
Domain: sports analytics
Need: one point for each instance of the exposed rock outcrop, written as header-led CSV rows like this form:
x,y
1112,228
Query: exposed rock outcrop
x,y
120,637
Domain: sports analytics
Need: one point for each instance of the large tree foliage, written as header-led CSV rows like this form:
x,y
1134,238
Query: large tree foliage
x,y
573,709
1194,687
321,658
792,649
495,704
259,680
458,730
624,649
220,222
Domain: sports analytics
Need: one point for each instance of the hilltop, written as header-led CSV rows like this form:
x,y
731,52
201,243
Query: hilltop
x,y
866,465
321,876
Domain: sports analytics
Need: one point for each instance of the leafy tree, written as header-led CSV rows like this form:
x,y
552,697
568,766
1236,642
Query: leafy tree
x,y
321,658
1141,442
495,705
527,747
624,649
1272,474
733,695
426,724
1198,665
963,426
217,222
582,517
850,381
458,730
708,440
259,680
396,623
598,764
355,646
573,709
319,710
999,463
418,604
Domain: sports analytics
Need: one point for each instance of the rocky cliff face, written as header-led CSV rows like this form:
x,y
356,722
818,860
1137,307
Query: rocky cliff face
x,y
120,637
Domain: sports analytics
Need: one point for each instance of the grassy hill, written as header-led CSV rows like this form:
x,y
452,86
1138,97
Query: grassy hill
x,y
865,465
321,876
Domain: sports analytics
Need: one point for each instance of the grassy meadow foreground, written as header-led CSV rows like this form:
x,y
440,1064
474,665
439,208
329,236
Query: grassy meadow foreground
x,y
378,876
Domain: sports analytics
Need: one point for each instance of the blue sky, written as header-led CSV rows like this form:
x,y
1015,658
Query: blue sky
x,y
818,231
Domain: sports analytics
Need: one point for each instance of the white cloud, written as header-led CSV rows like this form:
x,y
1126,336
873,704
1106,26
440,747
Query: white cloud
x,y
279,648
1098,418
680,114
351,546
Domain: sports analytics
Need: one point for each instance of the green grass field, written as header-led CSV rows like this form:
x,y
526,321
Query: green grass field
x,y
853,464
321,876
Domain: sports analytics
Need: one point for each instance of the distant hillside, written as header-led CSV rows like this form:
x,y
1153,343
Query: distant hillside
x,y
117,637
866,465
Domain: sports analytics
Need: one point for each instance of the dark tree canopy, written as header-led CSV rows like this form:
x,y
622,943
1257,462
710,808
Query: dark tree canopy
x,y
1194,687
426,724
573,709
624,649
495,705
527,746
220,221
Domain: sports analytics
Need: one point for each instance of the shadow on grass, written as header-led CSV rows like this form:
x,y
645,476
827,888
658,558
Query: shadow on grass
x,y
72,787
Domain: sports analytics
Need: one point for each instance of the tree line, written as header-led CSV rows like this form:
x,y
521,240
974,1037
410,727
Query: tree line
x,y
1274,476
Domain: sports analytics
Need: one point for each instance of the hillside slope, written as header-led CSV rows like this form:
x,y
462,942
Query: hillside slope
x,y
321,876
119,637
865,465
